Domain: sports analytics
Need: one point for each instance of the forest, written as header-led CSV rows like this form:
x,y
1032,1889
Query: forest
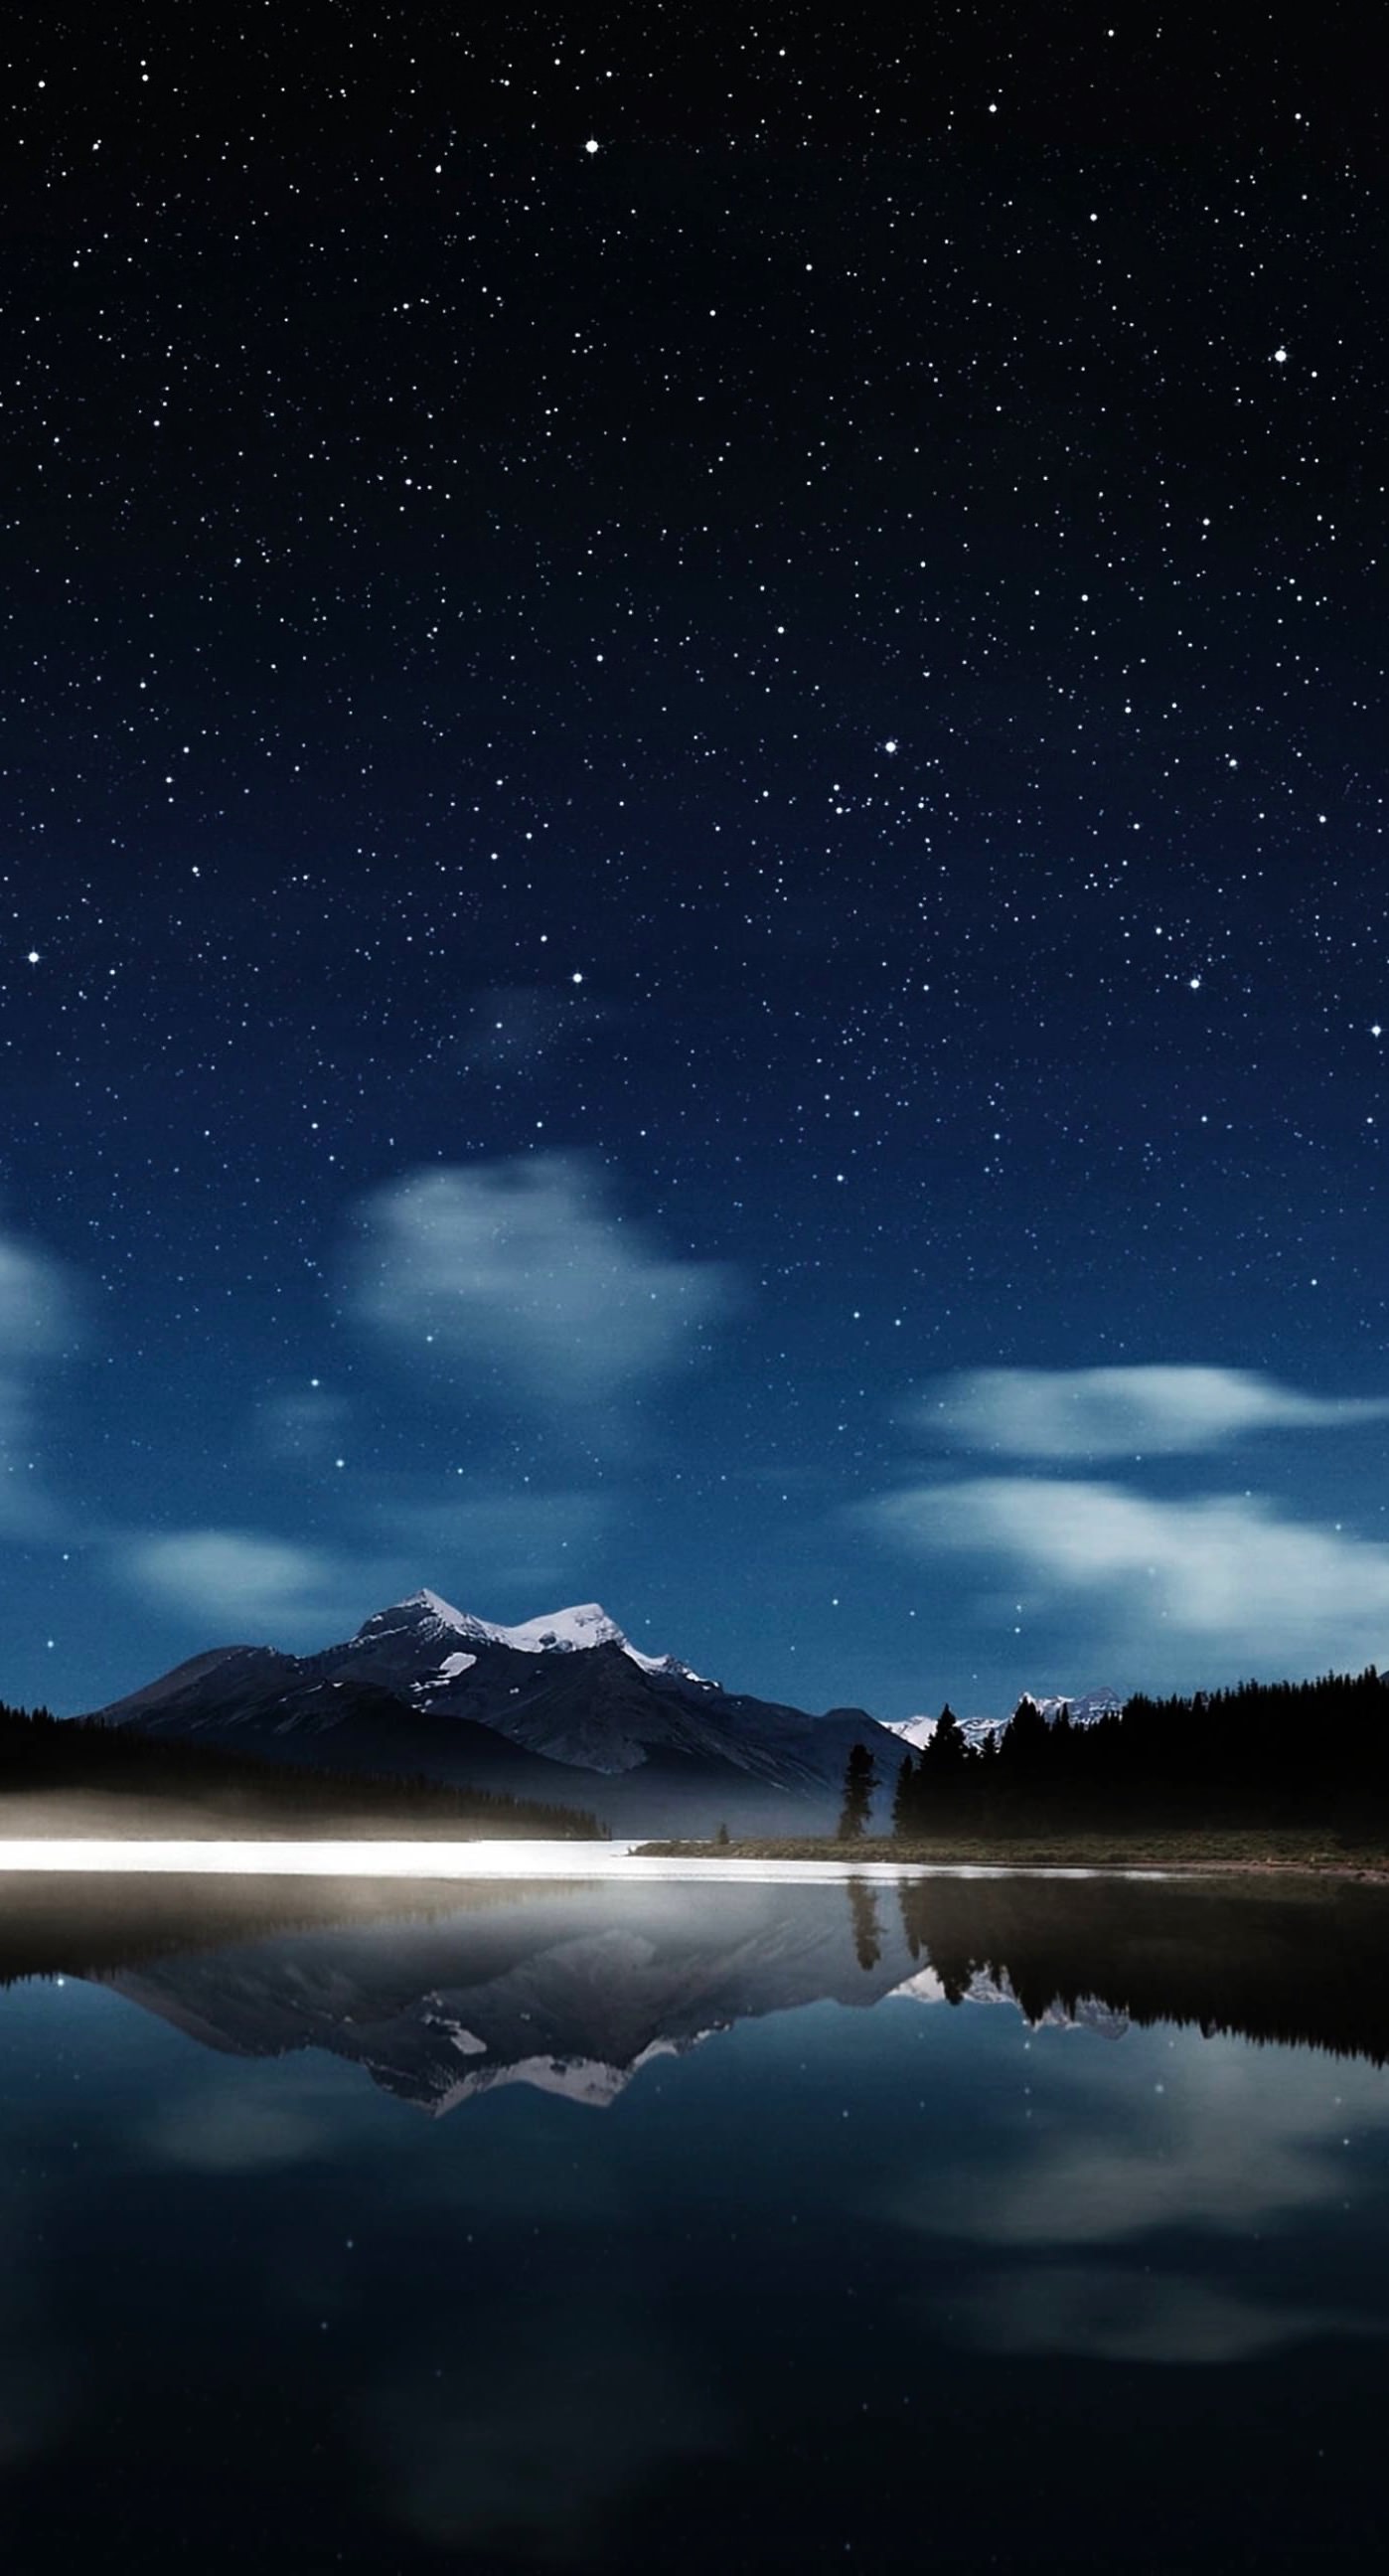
x,y
1313,1753
42,1754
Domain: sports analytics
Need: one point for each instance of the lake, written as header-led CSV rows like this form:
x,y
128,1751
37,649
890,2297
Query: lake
x,y
962,2221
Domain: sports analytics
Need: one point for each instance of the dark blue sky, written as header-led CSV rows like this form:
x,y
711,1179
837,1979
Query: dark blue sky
x,y
693,811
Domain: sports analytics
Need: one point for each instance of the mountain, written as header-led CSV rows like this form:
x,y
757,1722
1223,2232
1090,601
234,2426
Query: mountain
x,y
561,1707
918,1731
1085,1710
571,1993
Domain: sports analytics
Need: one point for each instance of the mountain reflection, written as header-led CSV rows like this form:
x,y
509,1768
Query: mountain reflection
x,y
444,1993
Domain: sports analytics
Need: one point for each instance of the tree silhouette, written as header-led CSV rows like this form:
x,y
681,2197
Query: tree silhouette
x,y
860,1781
904,1797
863,1910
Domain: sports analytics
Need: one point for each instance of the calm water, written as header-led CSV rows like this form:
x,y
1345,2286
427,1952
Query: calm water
x,y
976,2224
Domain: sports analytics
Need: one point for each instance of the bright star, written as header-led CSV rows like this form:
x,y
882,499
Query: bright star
x,y
590,147
33,956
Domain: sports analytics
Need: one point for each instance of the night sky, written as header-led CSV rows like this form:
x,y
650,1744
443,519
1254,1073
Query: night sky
x,y
694,823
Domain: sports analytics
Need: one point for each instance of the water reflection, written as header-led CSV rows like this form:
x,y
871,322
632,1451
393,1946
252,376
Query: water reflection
x,y
440,1992
512,2227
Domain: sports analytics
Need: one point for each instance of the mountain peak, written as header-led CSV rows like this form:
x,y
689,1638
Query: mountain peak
x,y
424,1618
433,1603
419,1613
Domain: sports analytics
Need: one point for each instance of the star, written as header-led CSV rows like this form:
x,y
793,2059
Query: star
x,y
590,147
33,958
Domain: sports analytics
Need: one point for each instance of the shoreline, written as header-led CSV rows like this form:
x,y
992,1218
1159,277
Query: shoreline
x,y
1214,1855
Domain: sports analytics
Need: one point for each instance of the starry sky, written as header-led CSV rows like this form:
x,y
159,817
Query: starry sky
x,y
693,901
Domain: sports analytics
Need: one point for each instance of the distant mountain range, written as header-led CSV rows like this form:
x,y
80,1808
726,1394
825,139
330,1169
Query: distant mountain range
x,y
1085,1708
562,1708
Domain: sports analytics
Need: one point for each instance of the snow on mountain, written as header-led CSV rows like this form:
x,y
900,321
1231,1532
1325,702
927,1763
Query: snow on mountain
x,y
918,1731
1086,1709
560,1706
425,1615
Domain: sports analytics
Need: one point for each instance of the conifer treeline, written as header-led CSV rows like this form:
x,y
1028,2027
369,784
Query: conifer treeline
x,y
1273,1963
1265,1753
40,1752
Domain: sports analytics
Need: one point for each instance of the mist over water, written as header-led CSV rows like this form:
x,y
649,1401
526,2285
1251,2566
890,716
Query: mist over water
x,y
1001,2221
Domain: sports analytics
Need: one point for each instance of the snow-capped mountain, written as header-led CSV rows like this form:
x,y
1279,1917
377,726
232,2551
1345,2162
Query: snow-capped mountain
x,y
1086,1709
918,1731
555,1992
424,1617
560,1707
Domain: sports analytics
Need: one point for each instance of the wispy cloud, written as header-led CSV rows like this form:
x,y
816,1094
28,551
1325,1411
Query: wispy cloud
x,y
1229,2139
532,1289
1227,1572
40,1319
239,1580
1117,2312
1121,1412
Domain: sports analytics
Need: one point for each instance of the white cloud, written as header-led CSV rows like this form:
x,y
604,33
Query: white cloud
x,y
37,1307
39,1322
240,1579
1116,1412
1231,2138
1226,1572
521,1278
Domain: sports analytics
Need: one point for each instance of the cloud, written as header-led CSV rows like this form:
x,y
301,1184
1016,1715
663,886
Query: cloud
x,y
543,2420
1116,1412
38,1316
238,1577
1225,1571
40,1320
217,2133
1107,2312
521,1279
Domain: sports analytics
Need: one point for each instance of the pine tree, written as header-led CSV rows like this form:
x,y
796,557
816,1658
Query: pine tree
x,y
860,1781
904,1797
943,1763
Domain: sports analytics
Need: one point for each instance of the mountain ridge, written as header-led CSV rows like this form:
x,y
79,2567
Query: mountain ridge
x,y
425,1687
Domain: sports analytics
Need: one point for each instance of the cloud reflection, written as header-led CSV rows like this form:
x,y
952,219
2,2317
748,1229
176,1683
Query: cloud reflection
x,y
1114,2312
